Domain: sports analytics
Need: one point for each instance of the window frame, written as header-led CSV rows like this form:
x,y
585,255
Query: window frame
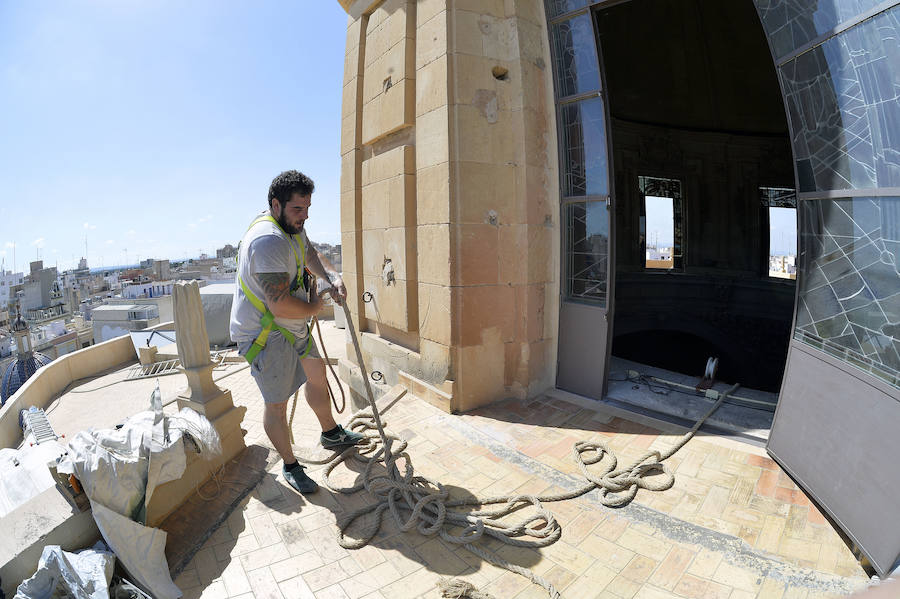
x,y
679,222
767,202
567,278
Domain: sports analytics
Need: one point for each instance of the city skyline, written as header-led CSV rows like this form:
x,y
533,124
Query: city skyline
x,y
136,263
154,130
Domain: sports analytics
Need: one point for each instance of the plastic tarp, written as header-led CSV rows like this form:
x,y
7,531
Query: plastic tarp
x,y
64,575
119,470
24,473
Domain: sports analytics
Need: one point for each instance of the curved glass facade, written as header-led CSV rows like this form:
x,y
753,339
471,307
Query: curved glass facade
x,y
576,69
583,151
791,24
842,94
556,8
843,100
849,293
839,66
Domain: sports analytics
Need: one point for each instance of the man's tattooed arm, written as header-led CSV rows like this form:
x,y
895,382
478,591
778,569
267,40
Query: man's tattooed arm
x,y
277,291
275,285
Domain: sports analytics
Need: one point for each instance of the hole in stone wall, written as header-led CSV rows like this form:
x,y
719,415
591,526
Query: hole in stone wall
x,y
387,84
500,73
387,272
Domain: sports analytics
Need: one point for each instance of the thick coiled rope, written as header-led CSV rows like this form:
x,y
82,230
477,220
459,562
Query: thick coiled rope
x,y
415,502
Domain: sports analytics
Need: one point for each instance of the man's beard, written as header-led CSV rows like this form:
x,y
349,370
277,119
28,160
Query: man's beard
x,y
289,229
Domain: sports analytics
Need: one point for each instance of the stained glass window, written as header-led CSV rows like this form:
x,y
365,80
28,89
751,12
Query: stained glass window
x,y
573,57
561,7
843,99
587,247
583,159
792,23
850,282
584,156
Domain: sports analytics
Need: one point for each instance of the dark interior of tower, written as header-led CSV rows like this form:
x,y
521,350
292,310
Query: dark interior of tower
x,y
705,225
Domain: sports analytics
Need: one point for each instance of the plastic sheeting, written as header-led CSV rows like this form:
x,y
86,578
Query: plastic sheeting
x,y
141,550
24,473
60,574
111,465
119,470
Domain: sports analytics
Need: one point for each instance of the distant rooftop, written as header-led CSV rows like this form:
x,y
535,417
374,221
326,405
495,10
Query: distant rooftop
x,y
121,307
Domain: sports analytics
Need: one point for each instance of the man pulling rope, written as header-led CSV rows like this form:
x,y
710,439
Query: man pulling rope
x,y
272,302
273,336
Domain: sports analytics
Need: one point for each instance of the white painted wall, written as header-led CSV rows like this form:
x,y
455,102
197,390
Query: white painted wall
x,y
107,332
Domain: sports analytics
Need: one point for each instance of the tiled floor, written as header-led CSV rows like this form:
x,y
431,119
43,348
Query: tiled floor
x,y
733,526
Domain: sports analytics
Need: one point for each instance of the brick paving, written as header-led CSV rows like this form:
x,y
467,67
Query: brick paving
x,y
733,526
724,485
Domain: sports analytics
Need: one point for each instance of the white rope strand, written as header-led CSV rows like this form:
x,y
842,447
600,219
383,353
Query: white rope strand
x,y
415,502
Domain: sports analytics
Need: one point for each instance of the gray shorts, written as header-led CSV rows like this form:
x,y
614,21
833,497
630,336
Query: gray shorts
x,y
277,369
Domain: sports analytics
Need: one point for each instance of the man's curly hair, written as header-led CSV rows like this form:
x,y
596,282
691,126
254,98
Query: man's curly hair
x,y
284,185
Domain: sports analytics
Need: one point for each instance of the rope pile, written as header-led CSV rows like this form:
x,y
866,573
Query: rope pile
x,y
415,502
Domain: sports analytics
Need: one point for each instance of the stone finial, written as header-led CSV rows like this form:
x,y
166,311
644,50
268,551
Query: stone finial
x,y
190,326
202,396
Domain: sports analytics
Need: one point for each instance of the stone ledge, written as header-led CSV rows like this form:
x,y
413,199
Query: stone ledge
x,y
439,398
350,373
47,519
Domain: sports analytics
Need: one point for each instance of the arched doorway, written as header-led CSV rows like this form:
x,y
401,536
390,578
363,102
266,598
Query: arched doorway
x,y
836,65
699,142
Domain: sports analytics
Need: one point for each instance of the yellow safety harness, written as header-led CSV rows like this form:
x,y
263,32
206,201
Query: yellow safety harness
x,y
267,320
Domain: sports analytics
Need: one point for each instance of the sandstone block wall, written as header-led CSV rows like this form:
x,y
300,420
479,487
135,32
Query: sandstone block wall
x,y
450,195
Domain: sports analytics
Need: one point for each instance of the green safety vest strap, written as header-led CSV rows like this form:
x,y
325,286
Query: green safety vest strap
x,y
267,320
297,238
260,342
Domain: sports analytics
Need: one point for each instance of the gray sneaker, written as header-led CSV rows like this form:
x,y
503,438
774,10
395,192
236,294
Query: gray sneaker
x,y
342,438
298,479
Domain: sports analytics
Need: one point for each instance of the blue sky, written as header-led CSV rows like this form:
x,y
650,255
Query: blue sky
x,y
660,224
783,231
154,128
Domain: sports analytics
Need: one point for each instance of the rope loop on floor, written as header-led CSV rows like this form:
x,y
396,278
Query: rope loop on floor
x,y
417,502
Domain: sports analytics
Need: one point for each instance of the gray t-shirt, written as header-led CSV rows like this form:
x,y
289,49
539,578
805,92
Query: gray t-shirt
x,y
265,248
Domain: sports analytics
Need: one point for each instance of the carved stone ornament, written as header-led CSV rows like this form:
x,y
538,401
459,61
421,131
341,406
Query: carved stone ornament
x,y
190,326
